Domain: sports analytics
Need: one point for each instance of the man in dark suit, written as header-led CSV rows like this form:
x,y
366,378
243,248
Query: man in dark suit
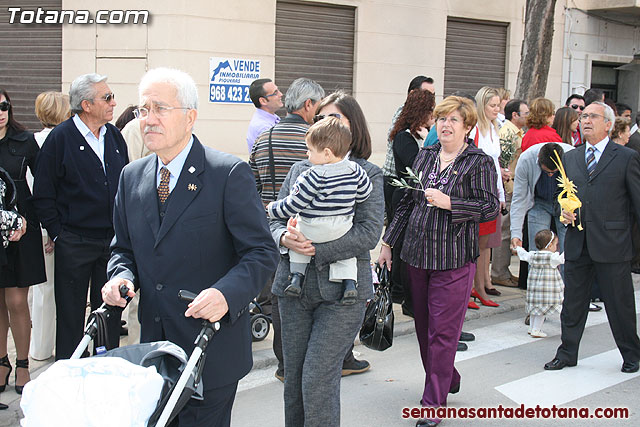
x,y
607,177
74,187
190,218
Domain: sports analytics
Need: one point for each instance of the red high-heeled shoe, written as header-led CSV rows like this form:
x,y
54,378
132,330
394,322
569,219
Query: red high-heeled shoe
x,y
472,305
487,302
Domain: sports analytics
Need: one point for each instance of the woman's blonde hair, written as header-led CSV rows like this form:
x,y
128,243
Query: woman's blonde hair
x,y
462,105
52,108
483,96
539,112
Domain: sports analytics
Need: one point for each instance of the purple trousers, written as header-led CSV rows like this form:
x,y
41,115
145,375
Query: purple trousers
x,y
440,300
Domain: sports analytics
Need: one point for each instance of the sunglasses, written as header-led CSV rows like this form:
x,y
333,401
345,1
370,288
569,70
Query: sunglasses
x,y
319,117
577,107
108,97
4,106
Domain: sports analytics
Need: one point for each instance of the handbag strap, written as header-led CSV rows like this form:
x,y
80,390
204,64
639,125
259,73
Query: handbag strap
x,y
272,166
383,275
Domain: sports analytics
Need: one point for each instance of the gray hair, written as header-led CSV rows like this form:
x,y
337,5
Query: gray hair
x,y
300,90
83,89
609,115
186,91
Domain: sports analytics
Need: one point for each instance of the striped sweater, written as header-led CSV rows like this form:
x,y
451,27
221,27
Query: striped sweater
x,y
287,142
325,191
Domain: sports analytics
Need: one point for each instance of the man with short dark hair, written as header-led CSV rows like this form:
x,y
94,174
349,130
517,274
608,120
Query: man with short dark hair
x,y
511,133
593,95
576,102
74,189
267,98
598,243
623,110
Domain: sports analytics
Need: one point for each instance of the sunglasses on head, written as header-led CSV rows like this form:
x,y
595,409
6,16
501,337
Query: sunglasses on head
x,y
4,106
319,117
577,107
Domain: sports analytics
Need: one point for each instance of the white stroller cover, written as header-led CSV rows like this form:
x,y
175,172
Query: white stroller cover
x,y
91,392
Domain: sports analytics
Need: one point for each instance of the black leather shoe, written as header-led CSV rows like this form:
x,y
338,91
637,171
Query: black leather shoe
x,y
527,320
350,295
354,366
407,311
3,406
295,285
635,270
279,375
594,307
557,364
630,367
467,336
423,422
454,389
461,346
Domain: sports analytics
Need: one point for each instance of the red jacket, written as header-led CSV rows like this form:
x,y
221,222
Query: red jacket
x,y
537,136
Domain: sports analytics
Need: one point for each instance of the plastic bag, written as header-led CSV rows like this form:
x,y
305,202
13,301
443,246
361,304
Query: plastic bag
x,y
105,391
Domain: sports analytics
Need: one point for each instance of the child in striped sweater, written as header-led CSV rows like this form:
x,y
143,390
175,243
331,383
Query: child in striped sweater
x,y
323,200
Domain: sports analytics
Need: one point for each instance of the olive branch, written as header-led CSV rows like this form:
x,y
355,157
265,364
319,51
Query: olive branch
x,y
411,176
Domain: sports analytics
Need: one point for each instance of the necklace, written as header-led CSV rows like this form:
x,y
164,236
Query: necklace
x,y
438,179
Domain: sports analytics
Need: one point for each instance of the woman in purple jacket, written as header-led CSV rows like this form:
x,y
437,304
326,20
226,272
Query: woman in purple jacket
x,y
457,191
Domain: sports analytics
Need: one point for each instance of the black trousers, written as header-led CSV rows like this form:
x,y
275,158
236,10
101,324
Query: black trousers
x,y
213,411
79,261
617,293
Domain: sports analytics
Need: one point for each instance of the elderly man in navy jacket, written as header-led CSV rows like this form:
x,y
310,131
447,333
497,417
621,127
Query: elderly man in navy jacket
x,y
189,217
74,188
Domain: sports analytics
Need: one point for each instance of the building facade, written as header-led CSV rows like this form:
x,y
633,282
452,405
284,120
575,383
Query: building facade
x,y
370,48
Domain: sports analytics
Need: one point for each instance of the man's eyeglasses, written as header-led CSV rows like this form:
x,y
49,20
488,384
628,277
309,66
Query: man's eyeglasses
x,y
577,107
108,97
4,106
277,91
591,116
319,117
159,111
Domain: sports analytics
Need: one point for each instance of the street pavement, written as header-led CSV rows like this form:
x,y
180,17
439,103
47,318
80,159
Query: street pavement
x,y
502,367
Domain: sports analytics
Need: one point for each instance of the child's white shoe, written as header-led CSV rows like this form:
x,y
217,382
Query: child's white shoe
x,y
538,334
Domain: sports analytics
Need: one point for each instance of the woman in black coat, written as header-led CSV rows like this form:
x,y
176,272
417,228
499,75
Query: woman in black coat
x,y
407,134
24,259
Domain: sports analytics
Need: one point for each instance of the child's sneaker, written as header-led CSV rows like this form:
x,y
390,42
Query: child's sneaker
x,y
350,295
538,334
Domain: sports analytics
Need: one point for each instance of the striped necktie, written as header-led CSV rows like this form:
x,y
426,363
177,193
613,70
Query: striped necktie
x,y
163,188
591,160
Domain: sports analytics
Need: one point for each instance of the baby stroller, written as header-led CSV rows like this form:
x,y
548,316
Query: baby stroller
x,y
260,322
181,376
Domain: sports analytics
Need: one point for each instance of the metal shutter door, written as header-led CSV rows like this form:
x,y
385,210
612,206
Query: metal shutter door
x,y
314,41
30,59
475,55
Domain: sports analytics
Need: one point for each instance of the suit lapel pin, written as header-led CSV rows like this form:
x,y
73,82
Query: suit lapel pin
x,y
117,151
192,187
455,172
82,148
192,169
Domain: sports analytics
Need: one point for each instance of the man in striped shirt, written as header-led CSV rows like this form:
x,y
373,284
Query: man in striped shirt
x,y
323,198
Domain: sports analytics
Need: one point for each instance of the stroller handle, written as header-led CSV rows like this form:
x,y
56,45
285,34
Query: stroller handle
x,y
186,296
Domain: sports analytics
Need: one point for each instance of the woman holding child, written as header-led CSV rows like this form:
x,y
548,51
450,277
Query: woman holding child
x,y
317,328
441,243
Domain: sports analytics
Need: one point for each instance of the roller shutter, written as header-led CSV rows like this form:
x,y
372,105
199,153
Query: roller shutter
x,y
475,55
314,41
30,59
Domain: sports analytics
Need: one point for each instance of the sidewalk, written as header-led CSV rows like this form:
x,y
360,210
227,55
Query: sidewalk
x,y
263,357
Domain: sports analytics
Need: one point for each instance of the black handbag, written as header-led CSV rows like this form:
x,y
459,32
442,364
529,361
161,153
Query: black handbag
x,y
377,329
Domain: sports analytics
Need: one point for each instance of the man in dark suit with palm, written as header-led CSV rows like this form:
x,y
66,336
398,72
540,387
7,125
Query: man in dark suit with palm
x,y
190,218
607,177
